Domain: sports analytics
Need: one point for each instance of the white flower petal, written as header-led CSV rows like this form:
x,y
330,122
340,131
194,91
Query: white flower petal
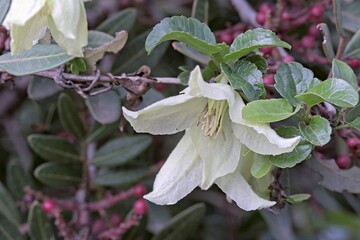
x,y
262,139
21,11
220,154
236,187
168,116
180,174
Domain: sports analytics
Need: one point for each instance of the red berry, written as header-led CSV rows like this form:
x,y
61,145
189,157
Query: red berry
x,y
140,190
265,8
160,86
286,16
353,63
314,31
260,18
226,38
316,11
266,50
343,161
269,80
308,41
48,205
288,59
140,207
353,142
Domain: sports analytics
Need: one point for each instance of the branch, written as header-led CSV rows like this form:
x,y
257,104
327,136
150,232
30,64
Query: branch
x,y
246,12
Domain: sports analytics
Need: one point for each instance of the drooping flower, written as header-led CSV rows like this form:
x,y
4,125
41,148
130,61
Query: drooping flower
x,y
210,150
29,19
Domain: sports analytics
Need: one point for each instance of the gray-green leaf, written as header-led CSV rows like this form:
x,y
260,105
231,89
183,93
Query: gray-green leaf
x,y
17,179
8,230
105,108
123,20
352,49
297,198
8,206
39,225
317,132
123,177
40,88
4,8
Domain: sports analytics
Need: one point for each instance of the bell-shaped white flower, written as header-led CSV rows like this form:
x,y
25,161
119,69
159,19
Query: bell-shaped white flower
x,y
210,150
29,19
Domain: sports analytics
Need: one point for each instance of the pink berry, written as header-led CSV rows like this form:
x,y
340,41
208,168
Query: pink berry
x,y
265,8
266,50
260,18
314,31
160,86
286,16
226,38
354,63
353,142
48,205
115,219
288,59
343,161
316,11
140,207
140,190
308,41
269,80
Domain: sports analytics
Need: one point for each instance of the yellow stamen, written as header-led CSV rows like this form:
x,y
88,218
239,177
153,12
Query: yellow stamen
x,y
212,117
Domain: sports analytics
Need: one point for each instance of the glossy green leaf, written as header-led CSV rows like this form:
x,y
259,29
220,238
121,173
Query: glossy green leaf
x,y
134,55
200,10
123,177
301,152
8,230
17,179
40,227
268,110
40,58
4,8
40,88
317,132
261,166
254,39
123,20
297,198
191,53
8,206
121,150
187,30
352,49
343,71
327,43
53,148
59,175
69,116
293,79
259,61
100,131
333,90
244,75
183,224
105,108
97,39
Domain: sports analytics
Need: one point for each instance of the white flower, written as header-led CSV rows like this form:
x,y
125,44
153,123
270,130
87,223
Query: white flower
x,y
66,20
210,150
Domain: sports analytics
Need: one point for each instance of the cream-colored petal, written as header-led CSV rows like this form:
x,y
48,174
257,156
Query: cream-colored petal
x,y
23,37
220,154
168,116
236,187
22,11
180,174
262,139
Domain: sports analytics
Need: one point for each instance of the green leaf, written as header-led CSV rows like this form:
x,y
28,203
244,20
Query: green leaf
x,y
123,20
350,15
123,177
355,124
301,152
297,198
200,10
352,49
69,116
188,30
343,71
317,132
8,230
17,179
268,110
245,76
254,39
39,225
76,66
261,166
39,58
333,90
293,79
191,53
352,113
59,175
134,55
8,207
105,108
97,39
40,88
121,150
259,61
183,224
4,8
327,43
100,131
338,17
53,148
184,76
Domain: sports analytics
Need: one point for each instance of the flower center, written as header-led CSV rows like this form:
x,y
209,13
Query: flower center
x,y
212,117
